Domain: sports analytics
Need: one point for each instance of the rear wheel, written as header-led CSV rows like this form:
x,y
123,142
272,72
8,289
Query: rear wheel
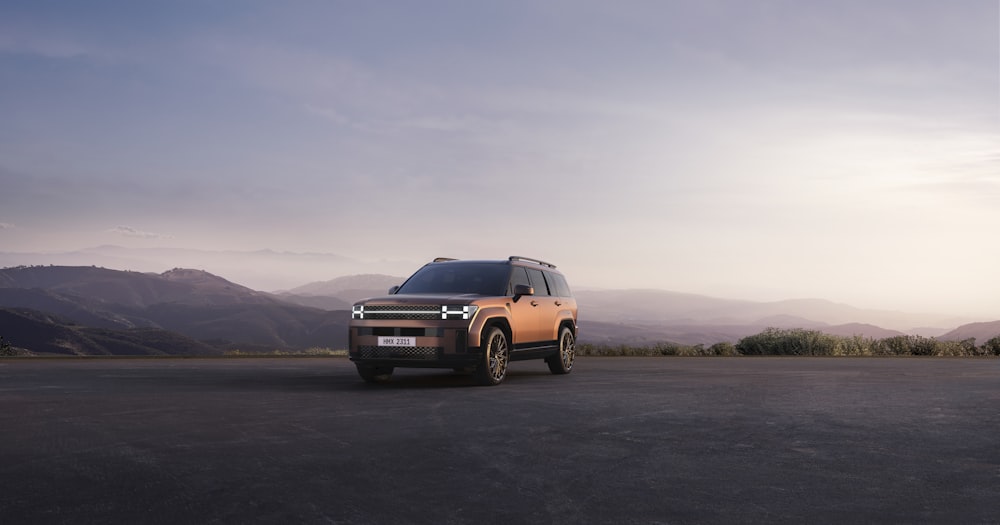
x,y
562,363
492,367
374,374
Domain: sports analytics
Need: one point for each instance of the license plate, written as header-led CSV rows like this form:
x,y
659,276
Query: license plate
x,y
397,341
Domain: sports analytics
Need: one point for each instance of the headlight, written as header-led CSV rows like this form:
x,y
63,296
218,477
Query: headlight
x,y
458,311
358,312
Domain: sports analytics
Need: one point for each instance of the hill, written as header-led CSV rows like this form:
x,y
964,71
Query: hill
x,y
982,332
859,329
193,303
673,308
131,288
260,269
638,334
81,309
42,333
347,289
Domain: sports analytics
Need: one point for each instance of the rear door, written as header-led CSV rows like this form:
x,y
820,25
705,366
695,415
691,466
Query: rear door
x,y
544,301
565,303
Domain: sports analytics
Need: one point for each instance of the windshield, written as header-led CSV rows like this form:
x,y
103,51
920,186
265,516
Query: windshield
x,y
482,278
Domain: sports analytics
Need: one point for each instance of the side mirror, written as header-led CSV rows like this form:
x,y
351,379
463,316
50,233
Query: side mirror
x,y
522,289
393,290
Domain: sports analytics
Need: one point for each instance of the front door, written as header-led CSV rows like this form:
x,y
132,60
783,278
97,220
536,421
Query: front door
x,y
524,314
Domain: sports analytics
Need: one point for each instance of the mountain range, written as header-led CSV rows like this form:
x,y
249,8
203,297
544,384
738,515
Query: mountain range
x,y
192,303
90,310
260,269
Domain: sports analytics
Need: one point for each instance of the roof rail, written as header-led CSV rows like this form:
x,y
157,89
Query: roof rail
x,y
442,259
519,258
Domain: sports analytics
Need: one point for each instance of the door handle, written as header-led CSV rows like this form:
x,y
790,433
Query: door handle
x,y
534,303
558,303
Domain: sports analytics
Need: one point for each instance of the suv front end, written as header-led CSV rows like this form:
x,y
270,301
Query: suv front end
x,y
414,331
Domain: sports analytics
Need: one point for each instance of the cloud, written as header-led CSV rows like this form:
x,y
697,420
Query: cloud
x,y
128,231
6,226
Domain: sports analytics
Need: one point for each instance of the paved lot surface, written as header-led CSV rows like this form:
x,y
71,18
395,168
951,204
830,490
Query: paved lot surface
x,y
620,440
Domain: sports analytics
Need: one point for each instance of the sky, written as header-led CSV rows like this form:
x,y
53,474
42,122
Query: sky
x,y
758,149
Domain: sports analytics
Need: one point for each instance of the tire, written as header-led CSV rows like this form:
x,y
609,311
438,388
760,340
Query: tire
x,y
492,369
562,363
374,374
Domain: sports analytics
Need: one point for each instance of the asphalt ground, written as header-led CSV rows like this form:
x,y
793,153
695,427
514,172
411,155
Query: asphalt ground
x,y
620,440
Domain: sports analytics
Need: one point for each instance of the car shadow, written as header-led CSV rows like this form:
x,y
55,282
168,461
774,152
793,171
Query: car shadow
x,y
337,378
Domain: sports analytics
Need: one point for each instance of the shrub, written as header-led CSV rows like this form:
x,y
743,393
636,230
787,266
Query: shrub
x,y
6,350
925,346
854,346
992,347
723,349
775,341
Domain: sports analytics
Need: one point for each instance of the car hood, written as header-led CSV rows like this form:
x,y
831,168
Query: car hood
x,y
446,298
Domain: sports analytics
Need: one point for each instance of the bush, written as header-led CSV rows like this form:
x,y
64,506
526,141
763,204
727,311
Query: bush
x,y
723,349
926,346
992,347
6,350
854,346
775,341
789,342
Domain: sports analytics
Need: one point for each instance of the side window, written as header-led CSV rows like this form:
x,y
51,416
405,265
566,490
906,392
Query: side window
x,y
517,276
538,281
558,282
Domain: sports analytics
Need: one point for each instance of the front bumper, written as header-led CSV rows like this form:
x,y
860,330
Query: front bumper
x,y
444,346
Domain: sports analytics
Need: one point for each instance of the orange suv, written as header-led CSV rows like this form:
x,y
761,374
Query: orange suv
x,y
467,315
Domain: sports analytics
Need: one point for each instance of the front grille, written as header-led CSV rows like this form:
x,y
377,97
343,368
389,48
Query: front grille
x,y
402,311
390,331
398,352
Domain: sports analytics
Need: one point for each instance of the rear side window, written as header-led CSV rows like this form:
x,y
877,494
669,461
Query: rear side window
x,y
558,282
538,281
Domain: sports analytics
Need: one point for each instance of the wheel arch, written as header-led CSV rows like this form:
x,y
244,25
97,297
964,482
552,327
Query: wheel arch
x,y
567,323
500,322
484,319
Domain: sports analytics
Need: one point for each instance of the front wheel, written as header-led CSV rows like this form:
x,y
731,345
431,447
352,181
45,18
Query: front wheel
x,y
563,362
492,368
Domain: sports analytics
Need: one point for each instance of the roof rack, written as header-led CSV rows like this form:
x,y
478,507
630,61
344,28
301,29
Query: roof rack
x,y
519,258
442,259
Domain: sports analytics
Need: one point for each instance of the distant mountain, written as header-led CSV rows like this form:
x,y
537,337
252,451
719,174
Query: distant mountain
x,y
316,301
334,287
348,289
597,332
259,269
672,308
859,329
92,284
41,333
194,303
981,331
788,321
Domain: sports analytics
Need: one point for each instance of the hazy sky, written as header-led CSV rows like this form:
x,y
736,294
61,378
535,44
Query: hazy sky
x,y
847,150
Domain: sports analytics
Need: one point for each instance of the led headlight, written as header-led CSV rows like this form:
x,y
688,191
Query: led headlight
x,y
458,311
358,312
